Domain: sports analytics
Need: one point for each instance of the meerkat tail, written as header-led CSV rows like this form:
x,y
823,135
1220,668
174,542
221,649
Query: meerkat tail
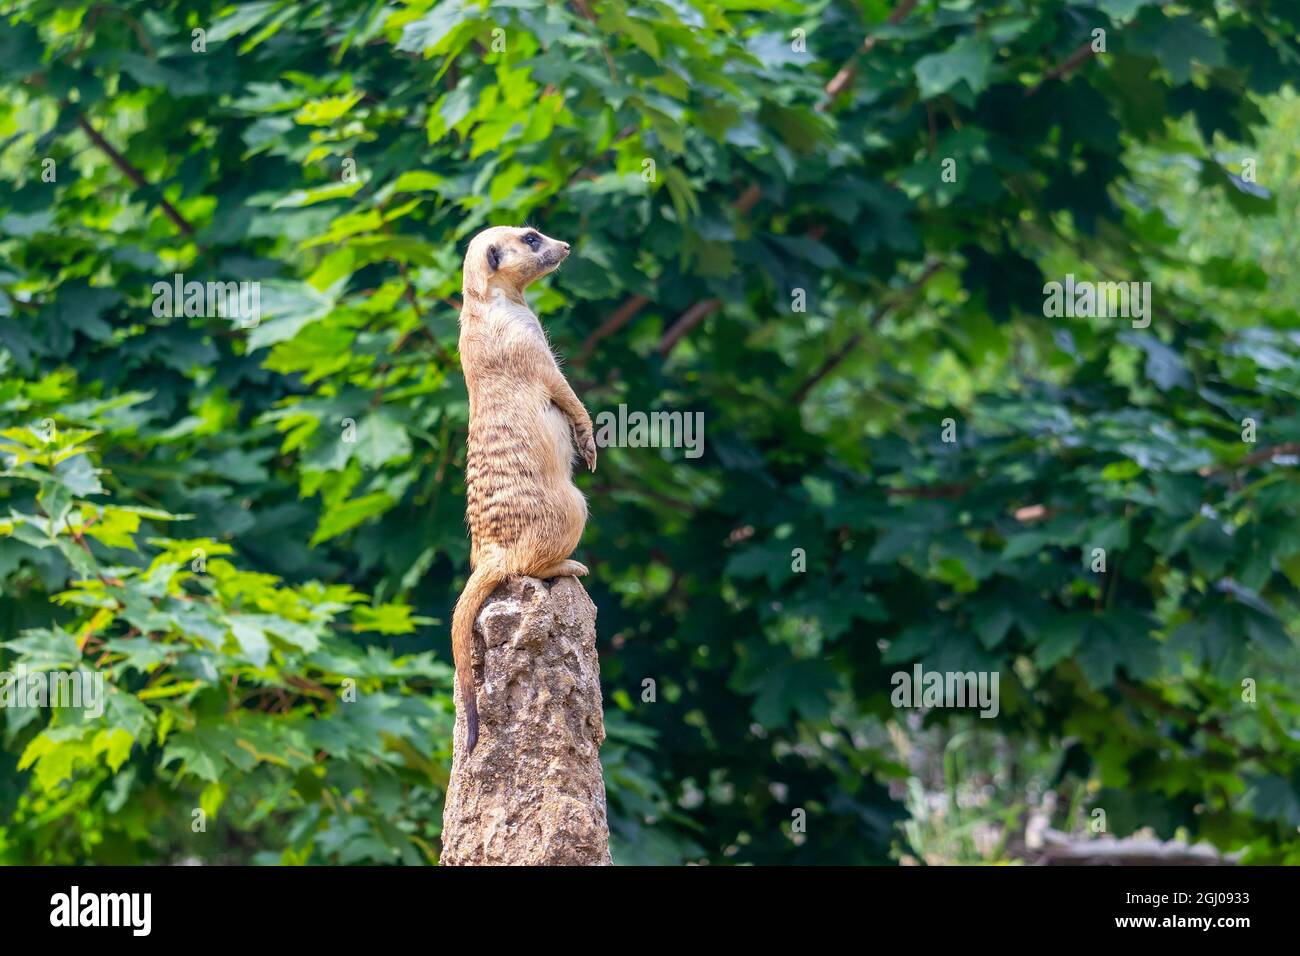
x,y
482,582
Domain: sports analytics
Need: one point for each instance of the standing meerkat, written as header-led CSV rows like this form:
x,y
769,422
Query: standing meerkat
x,y
524,513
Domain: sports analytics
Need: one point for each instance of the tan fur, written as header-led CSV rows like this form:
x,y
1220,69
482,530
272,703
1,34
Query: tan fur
x,y
525,515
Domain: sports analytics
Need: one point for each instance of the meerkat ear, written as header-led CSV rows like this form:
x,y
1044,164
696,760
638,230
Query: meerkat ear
x,y
493,258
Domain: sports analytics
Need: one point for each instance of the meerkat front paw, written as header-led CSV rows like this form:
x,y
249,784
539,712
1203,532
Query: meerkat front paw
x,y
587,446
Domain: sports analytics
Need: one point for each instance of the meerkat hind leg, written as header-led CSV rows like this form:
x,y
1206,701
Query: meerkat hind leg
x,y
575,568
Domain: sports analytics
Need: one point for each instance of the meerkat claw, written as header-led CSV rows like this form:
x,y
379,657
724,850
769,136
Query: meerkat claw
x,y
587,447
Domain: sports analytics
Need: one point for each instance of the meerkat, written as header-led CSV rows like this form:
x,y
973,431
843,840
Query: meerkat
x,y
525,515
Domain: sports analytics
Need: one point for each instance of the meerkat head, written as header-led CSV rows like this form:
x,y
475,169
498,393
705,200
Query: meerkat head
x,y
508,258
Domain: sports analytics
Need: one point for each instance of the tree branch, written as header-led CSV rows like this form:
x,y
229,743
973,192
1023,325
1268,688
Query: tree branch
x,y
846,73
952,490
685,322
133,174
1081,55
748,199
613,322
1255,458
743,203
840,354
582,8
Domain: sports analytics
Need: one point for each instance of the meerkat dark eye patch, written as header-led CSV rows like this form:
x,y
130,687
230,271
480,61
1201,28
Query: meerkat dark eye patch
x,y
493,258
532,240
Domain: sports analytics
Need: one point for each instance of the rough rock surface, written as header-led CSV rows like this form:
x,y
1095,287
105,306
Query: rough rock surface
x,y
532,792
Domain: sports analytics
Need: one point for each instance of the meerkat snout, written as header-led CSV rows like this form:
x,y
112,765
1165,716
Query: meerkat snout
x,y
556,253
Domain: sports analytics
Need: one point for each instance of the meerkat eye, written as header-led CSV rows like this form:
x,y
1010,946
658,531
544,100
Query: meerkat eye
x,y
532,241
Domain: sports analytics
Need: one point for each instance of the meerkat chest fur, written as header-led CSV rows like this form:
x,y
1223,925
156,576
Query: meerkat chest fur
x,y
520,441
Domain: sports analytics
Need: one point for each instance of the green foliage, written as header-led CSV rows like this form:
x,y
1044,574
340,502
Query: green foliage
x,y
230,692
342,152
